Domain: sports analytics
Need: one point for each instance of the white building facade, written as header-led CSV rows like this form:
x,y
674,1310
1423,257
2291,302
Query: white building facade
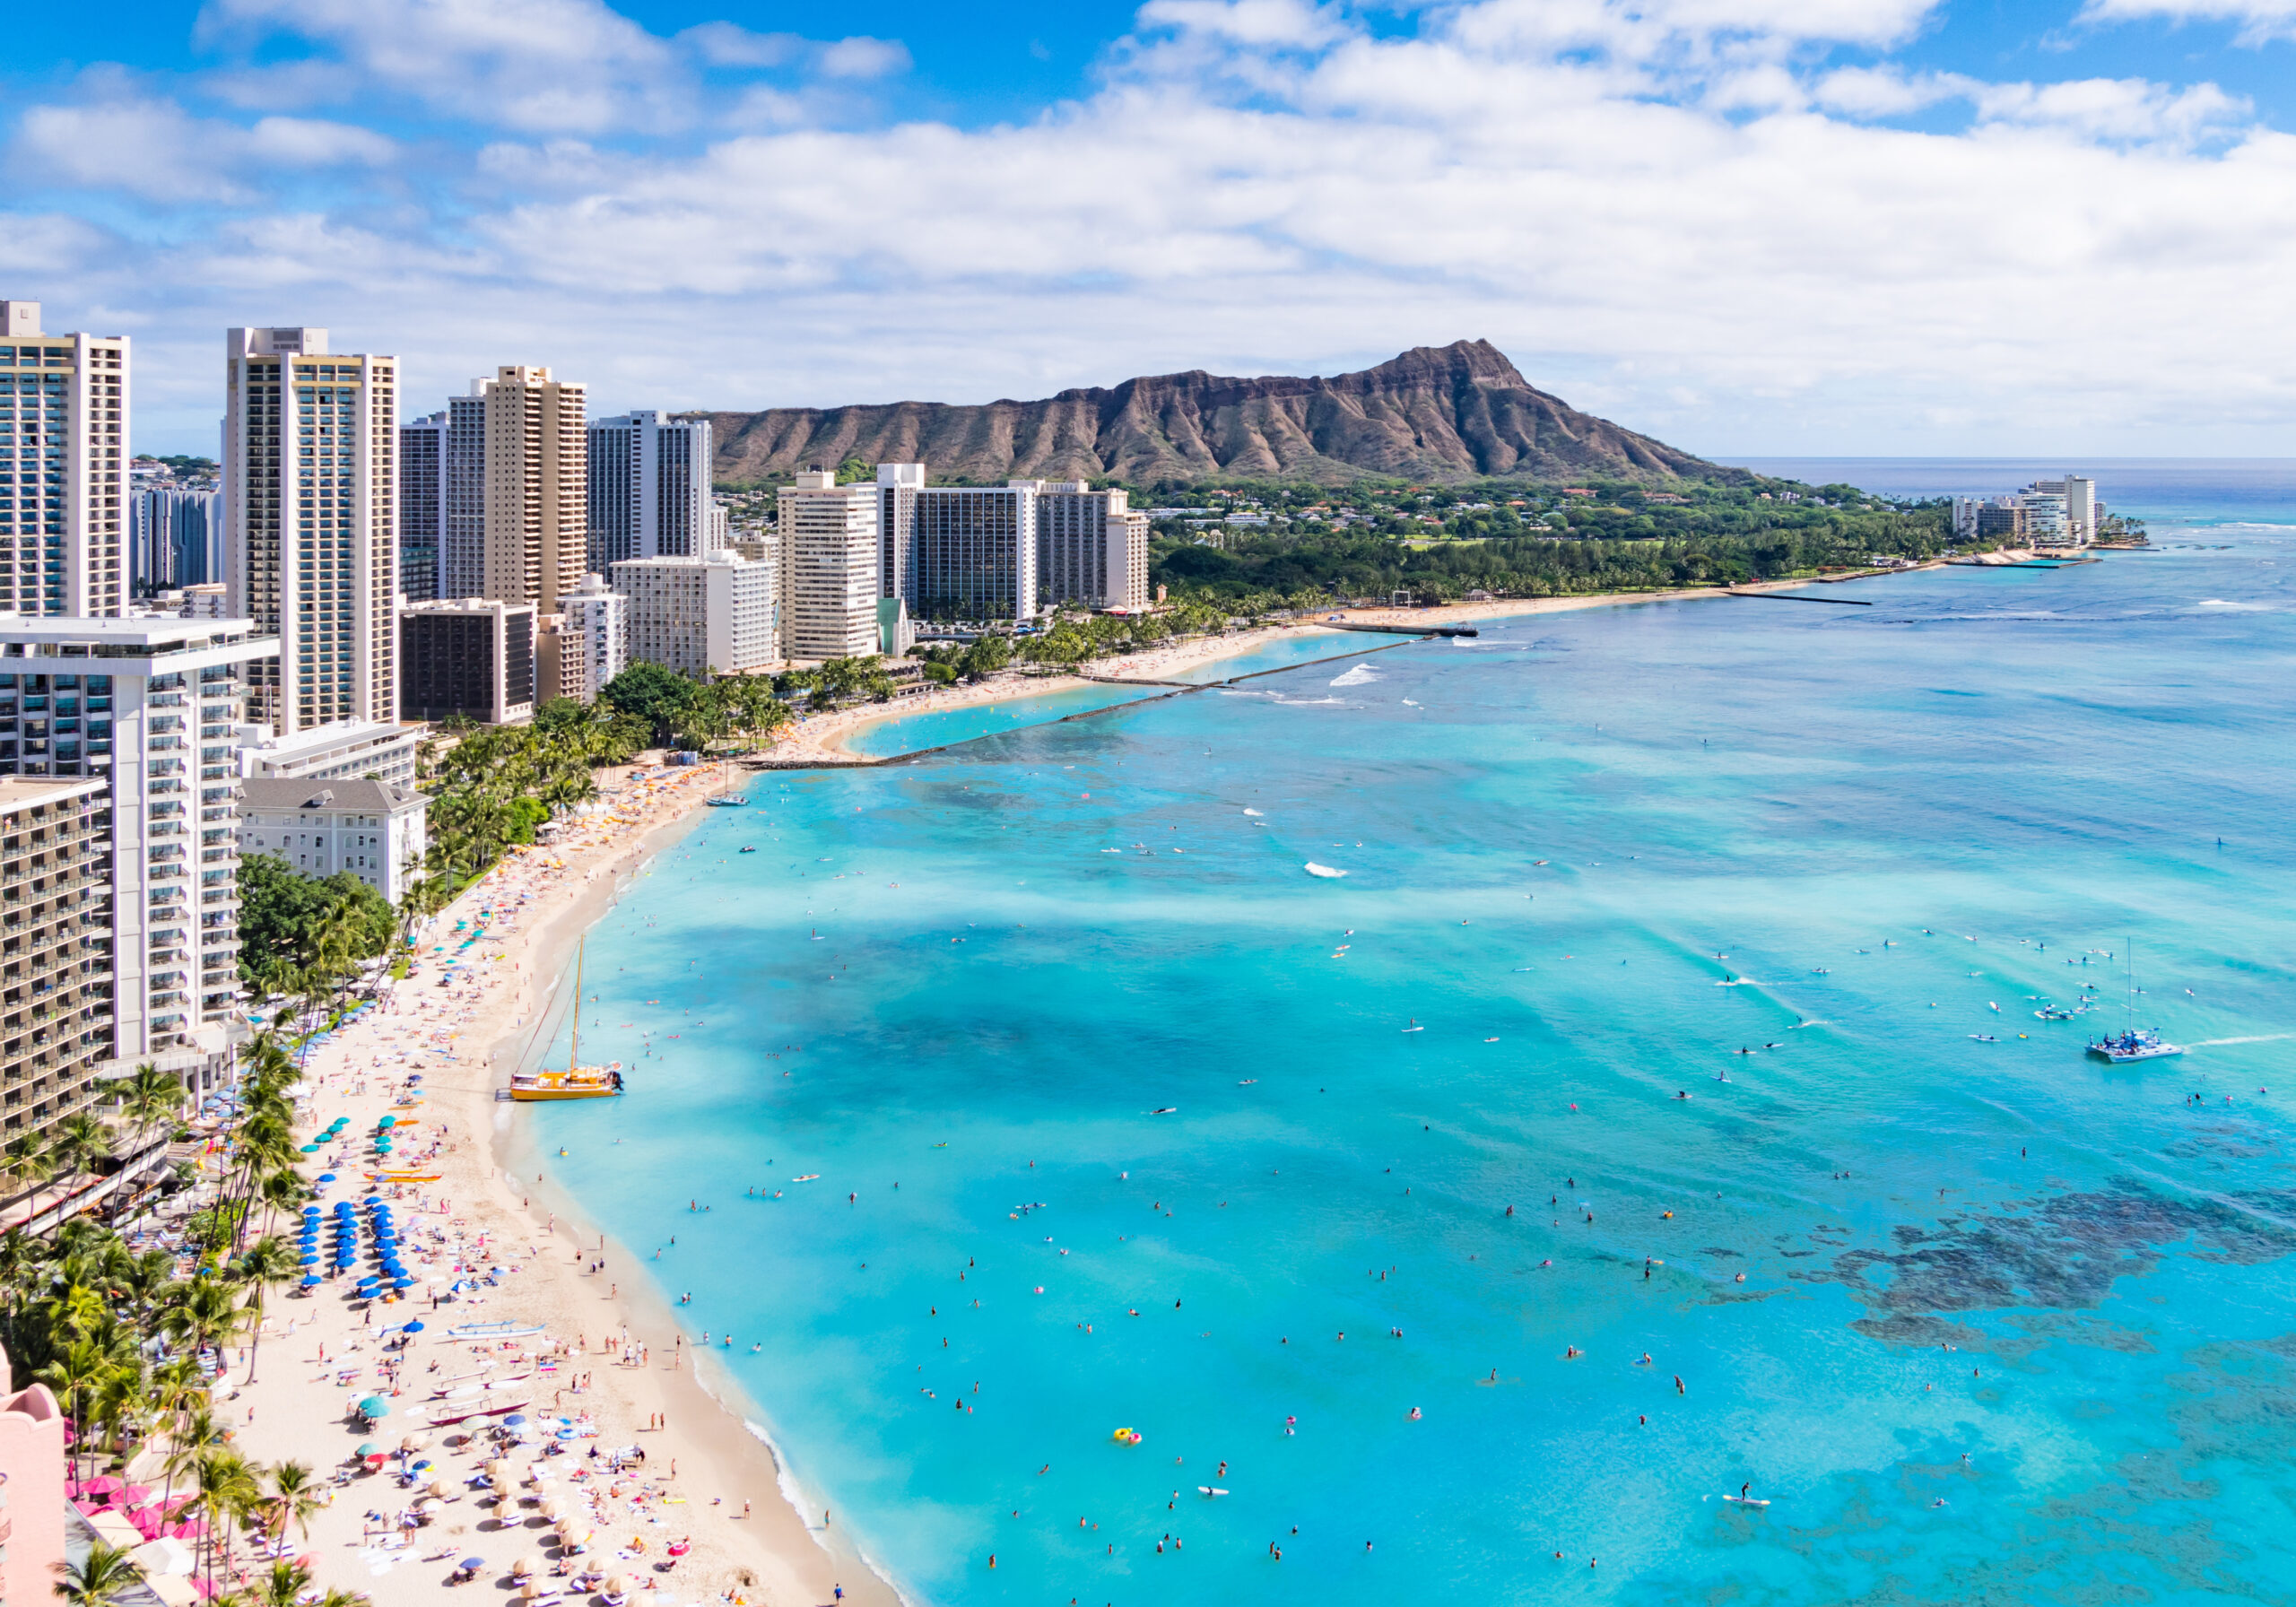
x,y
829,566
64,454
310,491
374,829
702,616
348,750
151,705
597,635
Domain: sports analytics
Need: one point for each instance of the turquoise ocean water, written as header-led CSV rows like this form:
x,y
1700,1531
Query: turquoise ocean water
x,y
2015,1325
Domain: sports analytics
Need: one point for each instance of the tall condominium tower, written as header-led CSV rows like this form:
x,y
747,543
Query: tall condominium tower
x,y
650,488
898,485
1092,547
537,488
975,553
63,465
176,537
310,453
421,504
462,492
828,568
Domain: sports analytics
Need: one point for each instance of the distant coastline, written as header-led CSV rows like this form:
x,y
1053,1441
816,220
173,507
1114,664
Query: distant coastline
x,y
826,740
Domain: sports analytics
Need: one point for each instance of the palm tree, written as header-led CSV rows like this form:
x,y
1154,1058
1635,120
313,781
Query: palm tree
x,y
294,1497
229,1494
99,1579
29,1161
263,1266
79,1142
280,1584
150,1097
75,1372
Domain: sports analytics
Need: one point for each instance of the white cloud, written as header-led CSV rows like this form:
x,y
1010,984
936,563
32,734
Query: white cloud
x,y
729,45
1888,91
864,57
120,139
1677,214
2120,110
1253,23
542,65
2260,21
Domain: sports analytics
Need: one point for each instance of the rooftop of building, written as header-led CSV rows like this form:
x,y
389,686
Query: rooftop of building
x,y
458,605
366,797
148,637
24,792
334,735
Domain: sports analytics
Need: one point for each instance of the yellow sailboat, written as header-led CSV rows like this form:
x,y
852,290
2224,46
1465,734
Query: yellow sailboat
x,y
577,1082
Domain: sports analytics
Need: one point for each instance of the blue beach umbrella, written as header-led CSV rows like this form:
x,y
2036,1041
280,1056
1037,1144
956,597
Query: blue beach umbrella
x,y
374,1406
311,1260
310,1282
402,1283
415,1327
327,1177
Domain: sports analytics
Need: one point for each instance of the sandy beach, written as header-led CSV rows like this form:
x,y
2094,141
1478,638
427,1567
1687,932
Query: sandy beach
x,y
600,1372
607,1360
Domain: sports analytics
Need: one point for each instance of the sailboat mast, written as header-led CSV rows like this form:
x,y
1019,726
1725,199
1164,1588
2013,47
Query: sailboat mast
x,y
574,1046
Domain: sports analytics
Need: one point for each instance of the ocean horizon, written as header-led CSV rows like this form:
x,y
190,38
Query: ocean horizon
x,y
1656,1106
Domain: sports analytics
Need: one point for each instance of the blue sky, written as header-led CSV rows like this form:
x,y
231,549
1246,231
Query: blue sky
x,y
1748,226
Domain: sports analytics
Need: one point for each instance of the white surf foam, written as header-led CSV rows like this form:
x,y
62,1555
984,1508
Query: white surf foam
x,y
1362,675
1322,869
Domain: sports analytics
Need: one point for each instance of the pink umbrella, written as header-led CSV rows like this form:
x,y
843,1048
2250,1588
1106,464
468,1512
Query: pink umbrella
x,y
103,1484
133,1495
190,1531
147,1522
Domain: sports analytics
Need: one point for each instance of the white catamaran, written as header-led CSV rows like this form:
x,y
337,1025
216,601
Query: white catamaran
x,y
2134,1042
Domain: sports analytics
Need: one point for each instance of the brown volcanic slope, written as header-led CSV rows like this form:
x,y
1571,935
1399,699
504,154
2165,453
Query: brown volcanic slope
x,y
1436,413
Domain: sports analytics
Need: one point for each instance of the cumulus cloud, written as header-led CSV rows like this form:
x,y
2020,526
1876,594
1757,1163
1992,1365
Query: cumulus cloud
x,y
2260,21
542,65
1679,213
150,147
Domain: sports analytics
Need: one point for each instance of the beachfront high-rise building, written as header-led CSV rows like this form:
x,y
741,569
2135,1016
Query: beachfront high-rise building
x,y
63,465
150,703
174,538
310,490
898,485
421,504
974,553
473,656
597,636
537,490
702,616
1092,547
830,565
56,981
650,489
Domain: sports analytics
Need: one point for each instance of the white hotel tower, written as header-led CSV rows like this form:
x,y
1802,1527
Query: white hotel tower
x,y
310,487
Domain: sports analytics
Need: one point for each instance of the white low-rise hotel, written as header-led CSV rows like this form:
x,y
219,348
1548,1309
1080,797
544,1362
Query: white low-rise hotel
x,y
375,830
